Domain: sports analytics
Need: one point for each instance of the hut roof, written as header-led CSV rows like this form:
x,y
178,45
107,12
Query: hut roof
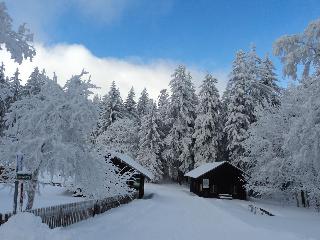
x,y
132,163
203,169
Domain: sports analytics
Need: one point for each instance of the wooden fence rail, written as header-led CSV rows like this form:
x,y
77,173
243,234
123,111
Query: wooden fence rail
x,y
258,210
67,214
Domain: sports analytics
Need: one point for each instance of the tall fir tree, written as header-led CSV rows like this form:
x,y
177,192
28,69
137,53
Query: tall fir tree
x,y
207,124
239,108
253,66
131,105
143,103
269,89
253,62
96,99
5,91
97,103
164,123
150,144
15,85
112,108
164,110
55,78
179,154
223,152
35,81
5,96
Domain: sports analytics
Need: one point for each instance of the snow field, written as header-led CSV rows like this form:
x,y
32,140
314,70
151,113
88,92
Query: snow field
x,y
173,213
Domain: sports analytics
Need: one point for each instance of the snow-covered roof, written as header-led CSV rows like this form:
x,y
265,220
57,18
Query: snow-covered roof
x,y
197,172
132,163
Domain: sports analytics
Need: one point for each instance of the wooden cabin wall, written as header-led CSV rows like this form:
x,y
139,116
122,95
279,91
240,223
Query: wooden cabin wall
x,y
221,180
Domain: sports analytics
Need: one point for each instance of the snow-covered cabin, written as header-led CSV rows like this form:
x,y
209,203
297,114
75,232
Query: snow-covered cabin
x,y
217,179
125,164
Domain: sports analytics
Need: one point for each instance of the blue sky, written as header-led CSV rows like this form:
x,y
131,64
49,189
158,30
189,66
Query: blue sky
x,y
200,33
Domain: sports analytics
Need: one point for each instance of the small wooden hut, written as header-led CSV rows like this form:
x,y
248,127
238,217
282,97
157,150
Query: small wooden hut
x,y
127,164
217,179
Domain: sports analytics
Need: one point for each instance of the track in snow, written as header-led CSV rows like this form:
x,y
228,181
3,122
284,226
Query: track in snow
x,y
174,213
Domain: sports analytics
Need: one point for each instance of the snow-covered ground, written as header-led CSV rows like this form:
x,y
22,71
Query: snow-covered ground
x,y
174,213
46,196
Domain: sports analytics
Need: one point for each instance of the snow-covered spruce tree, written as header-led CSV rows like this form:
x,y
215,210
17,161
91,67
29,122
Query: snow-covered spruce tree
x,y
10,91
131,105
112,108
150,143
239,108
15,86
5,96
143,103
51,128
223,152
253,63
269,91
96,100
164,124
207,131
35,82
164,111
179,142
16,42
121,136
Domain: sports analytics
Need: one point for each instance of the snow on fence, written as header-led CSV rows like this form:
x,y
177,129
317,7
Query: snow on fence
x,y
258,210
67,214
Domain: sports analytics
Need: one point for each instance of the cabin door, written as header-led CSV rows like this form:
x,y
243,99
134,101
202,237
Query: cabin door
x,y
225,189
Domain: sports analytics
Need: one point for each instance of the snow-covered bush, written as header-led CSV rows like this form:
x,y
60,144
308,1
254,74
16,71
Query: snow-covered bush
x,y
282,152
283,148
51,129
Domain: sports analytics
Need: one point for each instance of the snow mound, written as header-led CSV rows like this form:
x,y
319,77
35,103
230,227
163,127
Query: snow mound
x,y
27,226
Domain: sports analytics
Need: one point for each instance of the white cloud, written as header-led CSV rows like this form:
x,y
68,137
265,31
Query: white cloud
x,y
67,60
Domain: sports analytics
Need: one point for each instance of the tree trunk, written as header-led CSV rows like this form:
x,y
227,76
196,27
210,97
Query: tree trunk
x,y
307,199
303,199
31,191
297,198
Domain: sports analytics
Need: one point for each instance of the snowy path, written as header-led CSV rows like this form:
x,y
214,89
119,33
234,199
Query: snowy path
x,y
174,213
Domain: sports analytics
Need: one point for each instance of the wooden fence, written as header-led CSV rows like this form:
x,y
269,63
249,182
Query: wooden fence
x,y
258,210
67,214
